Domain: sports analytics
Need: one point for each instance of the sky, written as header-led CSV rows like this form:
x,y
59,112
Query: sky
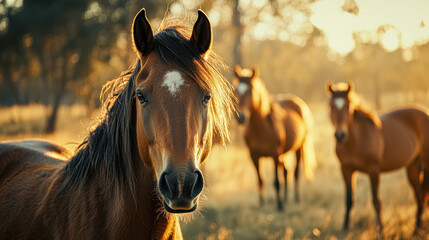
x,y
406,23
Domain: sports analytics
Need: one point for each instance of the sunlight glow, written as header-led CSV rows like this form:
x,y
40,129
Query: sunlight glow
x,y
2,10
7,5
13,3
286,23
219,15
254,3
407,55
183,6
3,24
176,8
406,18
94,10
390,40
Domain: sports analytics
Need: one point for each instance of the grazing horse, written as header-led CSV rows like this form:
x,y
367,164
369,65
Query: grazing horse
x,y
139,167
273,128
374,144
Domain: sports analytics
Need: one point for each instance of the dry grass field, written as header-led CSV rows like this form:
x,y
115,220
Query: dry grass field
x,y
230,208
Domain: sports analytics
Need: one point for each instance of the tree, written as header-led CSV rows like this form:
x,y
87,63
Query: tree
x,y
238,32
63,38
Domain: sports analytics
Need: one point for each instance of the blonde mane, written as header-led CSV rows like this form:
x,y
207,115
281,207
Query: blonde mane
x,y
363,110
262,97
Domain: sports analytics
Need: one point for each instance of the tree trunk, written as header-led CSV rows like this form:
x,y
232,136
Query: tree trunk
x,y
238,30
52,118
377,95
9,81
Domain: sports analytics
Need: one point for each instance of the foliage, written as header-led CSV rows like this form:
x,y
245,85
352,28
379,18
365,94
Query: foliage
x,y
47,44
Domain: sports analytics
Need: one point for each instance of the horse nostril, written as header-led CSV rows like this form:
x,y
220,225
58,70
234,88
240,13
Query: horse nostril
x,y
163,186
241,117
337,135
198,184
340,136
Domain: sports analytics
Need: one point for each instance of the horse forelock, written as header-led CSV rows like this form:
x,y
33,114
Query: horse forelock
x,y
173,48
262,96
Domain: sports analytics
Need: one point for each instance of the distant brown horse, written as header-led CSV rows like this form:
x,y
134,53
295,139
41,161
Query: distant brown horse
x,y
373,144
273,128
139,167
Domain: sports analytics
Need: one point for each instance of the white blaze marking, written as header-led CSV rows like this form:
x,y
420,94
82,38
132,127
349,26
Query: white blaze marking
x,y
242,88
339,102
173,81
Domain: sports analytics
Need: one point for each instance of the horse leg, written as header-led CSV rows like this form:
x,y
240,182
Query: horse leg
x,y
375,180
285,176
413,172
348,178
277,183
298,160
255,160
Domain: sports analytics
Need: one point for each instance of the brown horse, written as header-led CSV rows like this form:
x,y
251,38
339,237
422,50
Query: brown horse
x,y
373,144
274,128
139,167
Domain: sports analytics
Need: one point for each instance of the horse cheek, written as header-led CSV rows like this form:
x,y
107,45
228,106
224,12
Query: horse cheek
x,y
143,141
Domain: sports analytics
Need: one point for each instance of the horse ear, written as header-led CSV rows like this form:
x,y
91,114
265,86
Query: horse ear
x,y
255,72
142,33
350,88
202,33
237,71
329,89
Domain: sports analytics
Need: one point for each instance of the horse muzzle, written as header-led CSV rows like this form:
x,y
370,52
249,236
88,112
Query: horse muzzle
x,y
341,136
181,195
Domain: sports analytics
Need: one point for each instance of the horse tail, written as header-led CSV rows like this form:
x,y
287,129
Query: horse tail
x,y
308,153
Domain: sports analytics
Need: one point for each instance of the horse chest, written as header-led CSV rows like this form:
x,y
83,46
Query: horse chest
x,y
362,150
349,157
262,141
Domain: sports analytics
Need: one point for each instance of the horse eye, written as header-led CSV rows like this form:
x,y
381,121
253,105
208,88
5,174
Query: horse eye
x,y
141,97
206,98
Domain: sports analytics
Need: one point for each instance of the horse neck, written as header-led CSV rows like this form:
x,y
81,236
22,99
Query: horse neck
x,y
146,209
261,101
134,211
360,119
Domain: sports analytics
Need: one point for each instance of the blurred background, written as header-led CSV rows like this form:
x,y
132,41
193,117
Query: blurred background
x,y
55,56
